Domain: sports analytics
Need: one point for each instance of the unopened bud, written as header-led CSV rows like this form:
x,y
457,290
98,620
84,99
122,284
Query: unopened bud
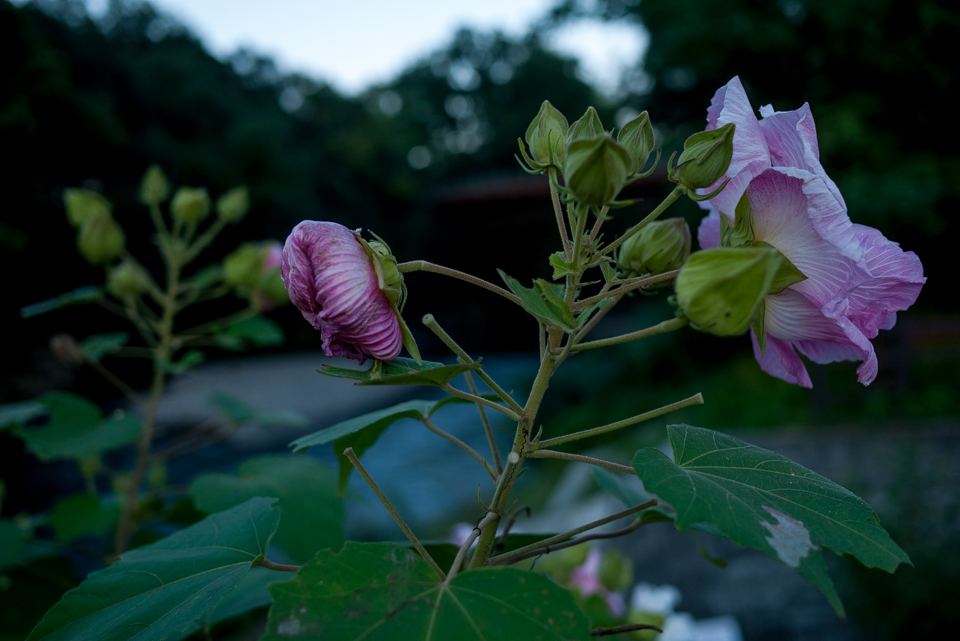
x,y
546,136
127,280
661,246
637,138
234,205
705,158
720,290
190,205
595,170
242,268
84,204
100,239
589,126
616,571
154,186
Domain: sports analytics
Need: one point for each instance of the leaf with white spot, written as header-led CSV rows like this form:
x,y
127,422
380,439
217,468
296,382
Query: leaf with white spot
x,y
384,592
765,501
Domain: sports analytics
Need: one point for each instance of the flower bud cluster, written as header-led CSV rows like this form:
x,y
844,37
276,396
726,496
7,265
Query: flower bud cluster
x,y
99,238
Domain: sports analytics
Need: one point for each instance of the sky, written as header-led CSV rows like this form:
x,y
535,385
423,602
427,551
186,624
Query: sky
x,y
353,44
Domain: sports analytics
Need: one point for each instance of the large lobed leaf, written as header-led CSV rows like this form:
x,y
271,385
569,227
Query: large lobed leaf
x,y
161,589
307,489
401,371
381,591
765,501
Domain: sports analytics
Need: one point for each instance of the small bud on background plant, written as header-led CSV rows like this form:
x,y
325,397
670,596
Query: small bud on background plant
x,y
546,136
190,205
705,158
595,170
234,205
589,126
100,239
126,280
154,187
84,204
272,290
661,246
637,138
242,268
720,290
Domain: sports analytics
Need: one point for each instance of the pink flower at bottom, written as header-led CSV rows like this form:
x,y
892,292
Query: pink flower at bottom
x,y
332,280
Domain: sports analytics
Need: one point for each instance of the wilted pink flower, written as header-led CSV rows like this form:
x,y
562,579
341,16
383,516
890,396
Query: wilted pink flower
x,y
856,279
331,279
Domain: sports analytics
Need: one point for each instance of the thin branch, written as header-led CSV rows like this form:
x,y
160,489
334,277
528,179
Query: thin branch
x,y
205,239
620,291
558,210
349,453
599,223
424,266
560,538
449,389
619,629
463,446
282,567
678,191
596,319
431,323
509,524
488,430
660,328
512,460
547,549
565,456
474,534
696,399
128,391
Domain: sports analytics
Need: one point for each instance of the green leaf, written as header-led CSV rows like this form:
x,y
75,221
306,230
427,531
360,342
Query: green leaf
x,y
402,371
79,296
11,542
77,429
307,489
82,514
380,592
258,331
159,590
238,412
17,414
561,267
765,501
99,345
542,302
363,431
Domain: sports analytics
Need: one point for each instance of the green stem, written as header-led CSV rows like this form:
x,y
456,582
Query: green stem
x,y
547,549
596,319
349,453
565,456
623,289
157,218
484,523
599,223
487,429
463,446
696,399
281,567
678,191
424,266
205,239
558,210
659,328
449,389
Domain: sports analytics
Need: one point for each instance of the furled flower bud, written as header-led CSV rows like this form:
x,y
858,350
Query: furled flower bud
x,y
100,239
126,280
589,126
332,280
84,204
705,158
661,246
190,205
242,268
595,170
546,136
234,205
720,290
154,186
637,138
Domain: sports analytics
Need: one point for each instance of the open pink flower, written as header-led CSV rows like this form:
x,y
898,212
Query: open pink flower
x,y
856,280
331,279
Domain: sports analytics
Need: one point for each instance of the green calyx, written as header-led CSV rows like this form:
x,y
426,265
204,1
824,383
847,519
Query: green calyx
x,y
721,290
84,204
595,170
589,126
661,246
233,206
127,280
154,186
190,205
546,138
101,239
637,138
705,158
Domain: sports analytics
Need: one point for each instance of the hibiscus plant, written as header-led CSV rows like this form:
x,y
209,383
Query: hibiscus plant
x,y
779,259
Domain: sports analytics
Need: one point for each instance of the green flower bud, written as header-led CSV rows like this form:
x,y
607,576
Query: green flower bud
x,y
190,205
720,290
705,158
661,246
272,287
588,126
242,268
595,170
154,186
546,136
127,280
84,204
234,205
100,239
637,138
616,571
